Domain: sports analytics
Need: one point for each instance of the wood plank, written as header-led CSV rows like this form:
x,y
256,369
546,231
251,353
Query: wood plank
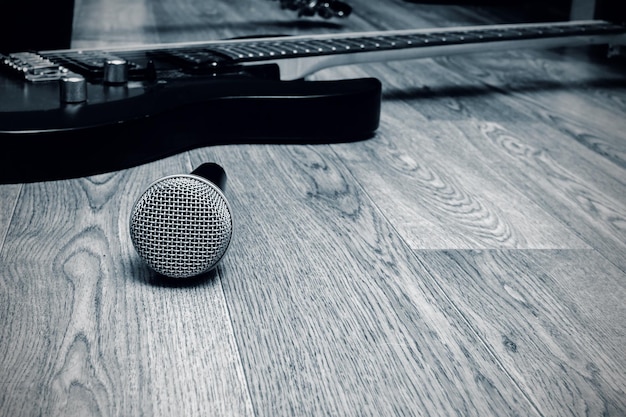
x,y
87,330
594,216
9,193
440,193
553,318
487,136
561,88
466,195
330,314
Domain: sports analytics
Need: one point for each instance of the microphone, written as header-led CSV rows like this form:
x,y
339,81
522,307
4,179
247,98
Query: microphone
x,y
181,226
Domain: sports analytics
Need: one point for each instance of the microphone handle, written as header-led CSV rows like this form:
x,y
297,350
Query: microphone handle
x,y
212,172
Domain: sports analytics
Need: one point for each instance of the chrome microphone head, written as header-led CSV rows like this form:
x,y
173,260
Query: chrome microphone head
x,y
182,225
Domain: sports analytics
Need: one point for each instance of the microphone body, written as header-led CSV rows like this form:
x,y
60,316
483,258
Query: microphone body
x,y
181,226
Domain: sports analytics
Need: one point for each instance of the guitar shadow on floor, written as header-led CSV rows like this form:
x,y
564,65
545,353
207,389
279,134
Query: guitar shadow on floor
x,y
473,90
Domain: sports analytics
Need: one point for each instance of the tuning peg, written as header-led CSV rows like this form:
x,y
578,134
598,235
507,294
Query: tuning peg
x,y
326,9
308,9
338,8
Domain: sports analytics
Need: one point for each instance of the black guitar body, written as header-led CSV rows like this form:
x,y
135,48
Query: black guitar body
x,y
124,126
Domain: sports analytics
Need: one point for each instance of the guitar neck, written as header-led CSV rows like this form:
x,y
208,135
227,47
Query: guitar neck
x,y
299,56
304,55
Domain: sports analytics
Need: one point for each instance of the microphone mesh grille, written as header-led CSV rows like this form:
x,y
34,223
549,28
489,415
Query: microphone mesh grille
x,y
181,226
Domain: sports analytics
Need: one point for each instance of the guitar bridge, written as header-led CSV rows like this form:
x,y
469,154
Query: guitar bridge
x,y
34,67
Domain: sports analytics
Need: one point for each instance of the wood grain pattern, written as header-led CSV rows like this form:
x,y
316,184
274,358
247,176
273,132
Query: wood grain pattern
x,y
467,260
564,93
90,332
332,317
417,177
595,216
8,198
530,307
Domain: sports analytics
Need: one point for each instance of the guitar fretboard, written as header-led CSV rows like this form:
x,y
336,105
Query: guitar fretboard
x,y
270,49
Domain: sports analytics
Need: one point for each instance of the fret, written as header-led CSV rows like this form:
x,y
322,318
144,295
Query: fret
x,y
377,42
320,47
284,48
400,41
233,52
303,47
387,41
251,50
425,40
274,49
357,43
344,44
271,49
328,45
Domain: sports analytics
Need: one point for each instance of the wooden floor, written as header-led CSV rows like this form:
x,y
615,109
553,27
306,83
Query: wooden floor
x,y
468,260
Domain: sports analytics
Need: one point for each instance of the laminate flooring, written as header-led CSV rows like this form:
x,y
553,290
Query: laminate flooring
x,y
467,260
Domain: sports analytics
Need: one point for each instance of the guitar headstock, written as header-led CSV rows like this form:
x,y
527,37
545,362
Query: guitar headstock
x,y
325,8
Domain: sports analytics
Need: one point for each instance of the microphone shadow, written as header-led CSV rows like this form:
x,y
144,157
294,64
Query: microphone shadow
x,y
142,273
158,280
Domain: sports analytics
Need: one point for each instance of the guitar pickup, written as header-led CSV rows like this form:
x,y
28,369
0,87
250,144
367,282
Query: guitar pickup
x,y
192,59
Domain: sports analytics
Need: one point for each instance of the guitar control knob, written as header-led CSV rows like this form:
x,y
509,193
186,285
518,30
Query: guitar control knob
x,y
73,89
115,71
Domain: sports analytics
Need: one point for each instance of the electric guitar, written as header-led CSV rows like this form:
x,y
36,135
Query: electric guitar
x,y
82,112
